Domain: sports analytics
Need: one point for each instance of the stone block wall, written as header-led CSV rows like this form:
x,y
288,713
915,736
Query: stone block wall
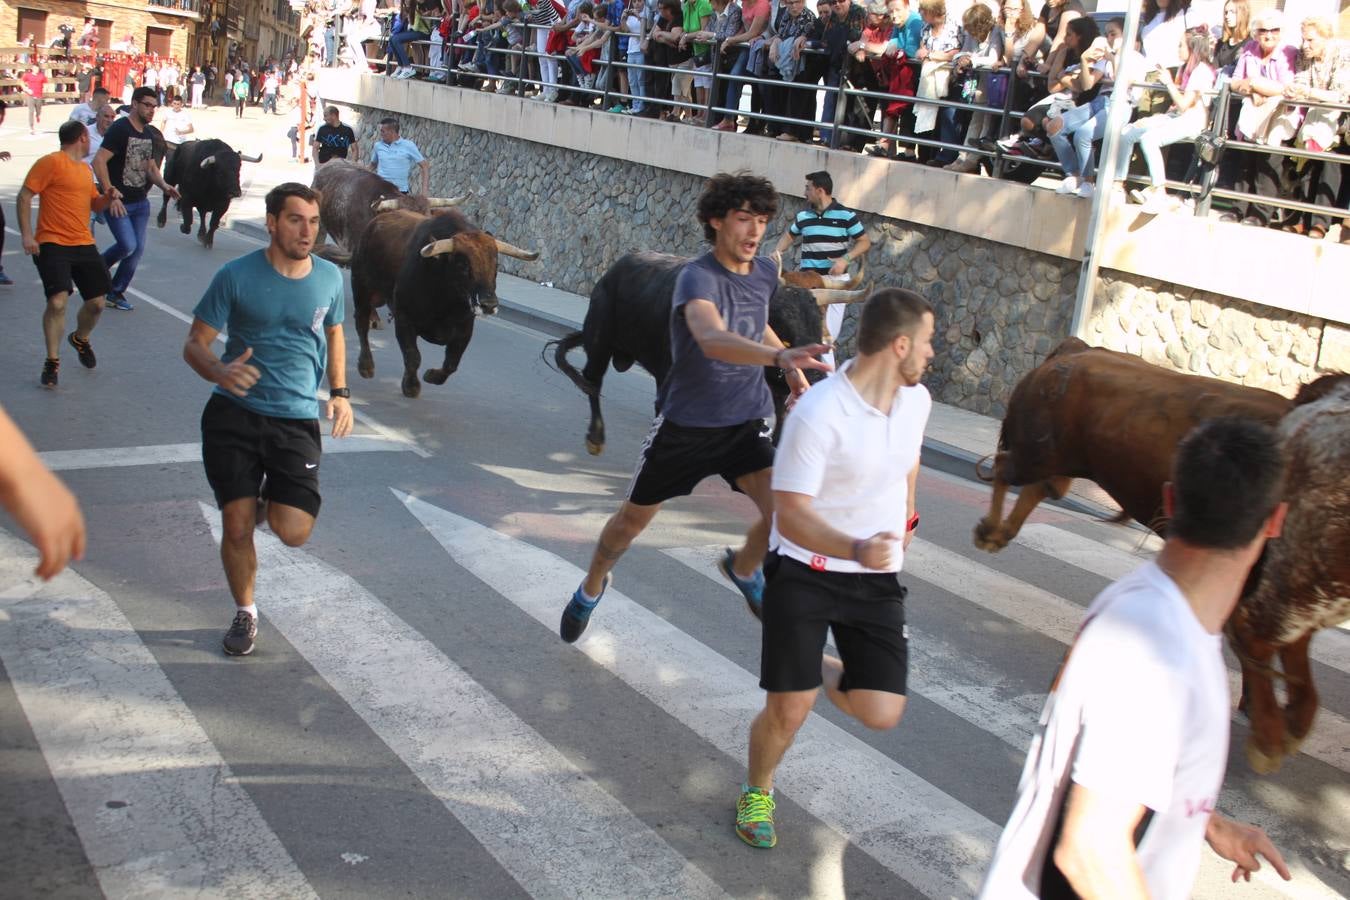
x,y
1000,309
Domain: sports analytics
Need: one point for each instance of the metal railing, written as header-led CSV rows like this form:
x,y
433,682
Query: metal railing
x,y
1200,183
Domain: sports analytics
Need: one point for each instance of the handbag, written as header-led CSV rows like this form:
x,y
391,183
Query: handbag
x,y
1209,147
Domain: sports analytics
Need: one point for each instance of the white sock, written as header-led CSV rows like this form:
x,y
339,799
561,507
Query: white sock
x,y
251,609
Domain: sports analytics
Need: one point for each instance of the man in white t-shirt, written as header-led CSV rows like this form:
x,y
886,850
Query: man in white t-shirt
x,y
1123,777
177,125
844,478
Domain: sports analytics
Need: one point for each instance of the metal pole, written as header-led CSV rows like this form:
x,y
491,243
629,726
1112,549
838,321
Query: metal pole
x,y
840,106
1118,111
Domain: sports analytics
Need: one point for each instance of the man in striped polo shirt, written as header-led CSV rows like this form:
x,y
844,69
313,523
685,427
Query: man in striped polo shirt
x,y
827,229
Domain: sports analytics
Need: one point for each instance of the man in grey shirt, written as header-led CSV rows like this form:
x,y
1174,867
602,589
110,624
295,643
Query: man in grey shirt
x,y
714,402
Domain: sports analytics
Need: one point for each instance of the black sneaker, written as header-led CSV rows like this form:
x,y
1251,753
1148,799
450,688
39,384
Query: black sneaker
x,y
577,614
84,349
239,639
50,369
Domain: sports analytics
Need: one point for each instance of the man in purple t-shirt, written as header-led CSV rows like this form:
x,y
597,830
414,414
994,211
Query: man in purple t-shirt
x,y
714,402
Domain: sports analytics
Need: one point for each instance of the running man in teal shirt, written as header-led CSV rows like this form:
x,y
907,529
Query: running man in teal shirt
x,y
283,311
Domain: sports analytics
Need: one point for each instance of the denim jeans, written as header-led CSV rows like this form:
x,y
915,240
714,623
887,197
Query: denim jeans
x,y
1151,135
637,79
129,232
1073,144
832,79
397,44
330,40
740,67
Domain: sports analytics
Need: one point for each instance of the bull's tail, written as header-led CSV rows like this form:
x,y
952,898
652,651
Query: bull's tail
x,y
561,348
979,469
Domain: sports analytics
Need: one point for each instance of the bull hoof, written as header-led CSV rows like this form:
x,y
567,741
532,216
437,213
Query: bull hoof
x,y
989,537
593,448
1292,744
209,242
161,219
366,368
412,388
1262,763
435,376
185,229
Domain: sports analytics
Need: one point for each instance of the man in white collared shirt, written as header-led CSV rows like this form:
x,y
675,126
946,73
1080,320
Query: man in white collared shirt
x,y
843,485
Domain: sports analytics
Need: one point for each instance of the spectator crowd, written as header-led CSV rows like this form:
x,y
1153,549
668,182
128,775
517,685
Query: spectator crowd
x,y
1241,102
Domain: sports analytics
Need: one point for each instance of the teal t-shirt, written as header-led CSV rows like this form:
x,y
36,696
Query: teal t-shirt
x,y
283,320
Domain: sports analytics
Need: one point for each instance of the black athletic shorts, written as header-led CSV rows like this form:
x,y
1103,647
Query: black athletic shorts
x,y
866,612
240,446
675,458
58,266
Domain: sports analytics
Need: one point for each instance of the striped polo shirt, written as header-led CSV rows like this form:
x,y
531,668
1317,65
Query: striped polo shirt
x,y
825,235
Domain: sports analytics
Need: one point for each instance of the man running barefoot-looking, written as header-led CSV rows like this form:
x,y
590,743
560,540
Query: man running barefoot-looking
x,y
844,514
714,401
283,309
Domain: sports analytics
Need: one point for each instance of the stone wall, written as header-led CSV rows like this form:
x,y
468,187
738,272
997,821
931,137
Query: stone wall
x,y
1001,309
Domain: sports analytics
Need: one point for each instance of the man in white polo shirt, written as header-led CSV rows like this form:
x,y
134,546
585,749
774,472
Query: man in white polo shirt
x,y
843,488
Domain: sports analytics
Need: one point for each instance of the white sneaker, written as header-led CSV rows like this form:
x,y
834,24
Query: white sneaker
x,y
1068,186
1086,190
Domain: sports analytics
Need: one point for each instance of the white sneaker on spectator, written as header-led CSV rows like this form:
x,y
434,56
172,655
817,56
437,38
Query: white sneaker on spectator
x,y
1086,190
1068,186
1140,195
1010,142
468,67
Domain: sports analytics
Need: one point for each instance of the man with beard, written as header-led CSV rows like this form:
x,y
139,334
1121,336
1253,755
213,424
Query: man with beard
x,y
714,401
844,514
283,309
129,161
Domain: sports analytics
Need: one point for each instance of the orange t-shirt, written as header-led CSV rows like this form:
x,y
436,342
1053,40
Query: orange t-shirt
x,y
65,188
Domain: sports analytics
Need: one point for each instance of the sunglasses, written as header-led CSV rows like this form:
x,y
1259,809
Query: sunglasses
x,y
1267,31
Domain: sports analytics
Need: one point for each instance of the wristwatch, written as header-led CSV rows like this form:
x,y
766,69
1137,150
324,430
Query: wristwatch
x,y
339,392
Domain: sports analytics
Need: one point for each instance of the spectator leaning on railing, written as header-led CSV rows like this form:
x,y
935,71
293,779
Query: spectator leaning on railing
x,y
1023,39
938,45
1185,118
1233,35
794,26
726,21
1323,74
982,50
749,47
841,23
1073,132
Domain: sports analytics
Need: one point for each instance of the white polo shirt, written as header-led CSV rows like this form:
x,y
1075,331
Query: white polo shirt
x,y
853,459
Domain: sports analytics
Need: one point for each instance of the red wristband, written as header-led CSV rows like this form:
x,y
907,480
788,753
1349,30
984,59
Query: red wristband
x,y
913,522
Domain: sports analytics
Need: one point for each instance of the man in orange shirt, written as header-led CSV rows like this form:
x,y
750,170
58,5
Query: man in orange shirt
x,y
63,247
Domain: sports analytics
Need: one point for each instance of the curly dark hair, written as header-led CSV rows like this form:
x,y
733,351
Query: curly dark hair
x,y
726,192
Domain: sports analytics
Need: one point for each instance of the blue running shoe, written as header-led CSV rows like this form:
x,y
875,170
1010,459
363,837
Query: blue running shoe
x,y
752,588
5,279
115,300
578,613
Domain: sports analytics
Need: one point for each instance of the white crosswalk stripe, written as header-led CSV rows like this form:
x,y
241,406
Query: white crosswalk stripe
x,y
159,813
552,828
926,837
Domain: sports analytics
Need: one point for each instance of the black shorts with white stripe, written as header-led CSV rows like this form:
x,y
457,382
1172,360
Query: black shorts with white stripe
x,y
675,458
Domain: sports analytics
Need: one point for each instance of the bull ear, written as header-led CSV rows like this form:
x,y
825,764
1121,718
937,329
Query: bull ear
x,y
506,249
439,248
209,161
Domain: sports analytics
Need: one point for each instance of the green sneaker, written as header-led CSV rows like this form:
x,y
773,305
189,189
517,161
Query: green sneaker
x,y
754,817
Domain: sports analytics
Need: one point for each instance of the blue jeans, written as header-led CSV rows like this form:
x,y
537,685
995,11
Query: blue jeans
x,y
637,79
330,46
129,232
398,44
832,79
740,67
1073,144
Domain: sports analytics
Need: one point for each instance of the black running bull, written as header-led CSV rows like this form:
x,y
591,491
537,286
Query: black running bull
x,y
206,174
429,270
628,321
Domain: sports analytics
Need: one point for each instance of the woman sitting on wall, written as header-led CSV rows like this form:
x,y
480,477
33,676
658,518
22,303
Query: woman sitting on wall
x,y
1184,119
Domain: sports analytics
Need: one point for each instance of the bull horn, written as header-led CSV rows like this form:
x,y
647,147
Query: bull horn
x,y
506,249
442,202
384,205
826,296
778,260
209,161
252,159
439,248
856,281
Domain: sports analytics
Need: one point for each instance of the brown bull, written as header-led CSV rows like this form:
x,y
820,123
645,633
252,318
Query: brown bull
x,y
351,196
1115,419
1302,583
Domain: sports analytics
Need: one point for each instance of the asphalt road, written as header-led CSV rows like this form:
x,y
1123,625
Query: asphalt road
x,y
410,725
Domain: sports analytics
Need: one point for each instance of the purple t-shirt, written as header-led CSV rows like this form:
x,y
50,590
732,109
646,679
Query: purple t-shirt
x,y
1279,66
704,393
